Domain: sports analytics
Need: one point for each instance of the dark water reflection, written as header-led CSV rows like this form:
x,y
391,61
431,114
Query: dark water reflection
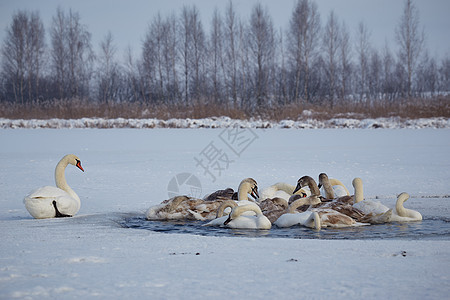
x,y
429,229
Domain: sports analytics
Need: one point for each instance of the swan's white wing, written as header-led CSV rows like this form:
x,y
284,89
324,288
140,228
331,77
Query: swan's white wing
x,y
48,192
289,220
339,191
369,206
40,202
250,222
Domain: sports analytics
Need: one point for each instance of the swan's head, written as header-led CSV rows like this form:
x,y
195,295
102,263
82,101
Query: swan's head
x,y
239,210
357,181
322,179
74,160
296,197
302,182
402,197
250,186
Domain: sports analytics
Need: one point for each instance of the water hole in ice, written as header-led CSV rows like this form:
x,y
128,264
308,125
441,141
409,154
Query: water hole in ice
x,y
436,228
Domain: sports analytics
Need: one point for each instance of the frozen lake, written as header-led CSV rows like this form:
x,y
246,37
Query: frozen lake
x,y
126,170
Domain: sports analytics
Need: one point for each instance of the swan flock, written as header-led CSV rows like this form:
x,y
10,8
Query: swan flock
x,y
327,203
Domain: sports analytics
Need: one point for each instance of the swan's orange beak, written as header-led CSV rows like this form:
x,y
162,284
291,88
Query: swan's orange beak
x,y
79,165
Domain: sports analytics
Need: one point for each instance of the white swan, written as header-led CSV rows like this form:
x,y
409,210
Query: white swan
x,y
220,218
246,187
59,201
374,211
236,219
282,190
292,217
402,214
331,188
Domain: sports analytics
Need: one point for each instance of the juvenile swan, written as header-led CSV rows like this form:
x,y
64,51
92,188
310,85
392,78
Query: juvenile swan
x,y
59,201
188,208
282,190
331,188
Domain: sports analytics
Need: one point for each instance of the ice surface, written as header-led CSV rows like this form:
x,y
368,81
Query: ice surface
x,y
127,170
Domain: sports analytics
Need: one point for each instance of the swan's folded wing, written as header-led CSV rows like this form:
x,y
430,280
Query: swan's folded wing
x,y
48,192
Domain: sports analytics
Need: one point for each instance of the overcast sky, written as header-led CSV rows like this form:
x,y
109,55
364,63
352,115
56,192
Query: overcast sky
x,y
128,19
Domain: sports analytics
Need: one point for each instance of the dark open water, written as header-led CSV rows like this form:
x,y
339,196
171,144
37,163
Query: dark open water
x,y
430,229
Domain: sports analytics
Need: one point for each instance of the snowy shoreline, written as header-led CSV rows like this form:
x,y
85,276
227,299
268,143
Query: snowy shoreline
x,y
226,122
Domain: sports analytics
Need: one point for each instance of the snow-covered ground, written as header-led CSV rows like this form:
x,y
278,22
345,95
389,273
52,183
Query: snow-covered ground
x,y
91,256
307,121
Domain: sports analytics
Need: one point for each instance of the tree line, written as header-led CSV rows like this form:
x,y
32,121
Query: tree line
x,y
239,63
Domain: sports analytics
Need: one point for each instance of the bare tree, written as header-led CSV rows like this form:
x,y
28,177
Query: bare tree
x,y
389,85
444,75
108,71
262,46
216,57
345,64
304,29
23,56
363,51
411,41
131,77
374,75
72,56
331,46
427,78
231,51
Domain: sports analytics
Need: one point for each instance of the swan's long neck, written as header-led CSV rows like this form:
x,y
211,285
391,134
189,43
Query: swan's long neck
x,y
312,200
313,187
239,210
329,192
285,187
60,178
359,192
314,218
223,206
243,191
401,210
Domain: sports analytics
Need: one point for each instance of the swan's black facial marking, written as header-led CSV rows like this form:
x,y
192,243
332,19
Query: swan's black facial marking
x,y
254,192
78,164
298,187
228,220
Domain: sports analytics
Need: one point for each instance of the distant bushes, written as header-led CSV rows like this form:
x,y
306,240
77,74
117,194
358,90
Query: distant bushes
x,y
76,109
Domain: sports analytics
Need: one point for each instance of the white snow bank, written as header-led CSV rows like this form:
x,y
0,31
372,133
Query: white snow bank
x,y
226,122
